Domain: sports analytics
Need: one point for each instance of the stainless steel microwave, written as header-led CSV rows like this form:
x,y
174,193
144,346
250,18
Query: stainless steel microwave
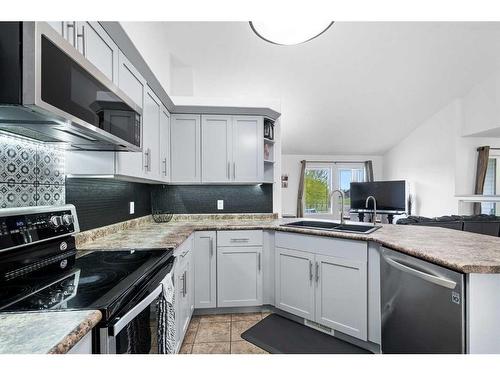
x,y
51,93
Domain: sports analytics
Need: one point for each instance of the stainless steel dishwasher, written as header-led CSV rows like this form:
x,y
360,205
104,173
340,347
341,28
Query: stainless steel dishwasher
x,y
423,307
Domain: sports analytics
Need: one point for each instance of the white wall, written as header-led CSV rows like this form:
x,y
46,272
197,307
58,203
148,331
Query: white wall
x,y
426,159
437,161
149,39
290,164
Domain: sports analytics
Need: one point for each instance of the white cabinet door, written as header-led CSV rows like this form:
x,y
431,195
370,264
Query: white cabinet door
x,y
248,149
151,135
97,46
294,282
239,276
185,149
165,144
216,148
131,164
183,301
58,26
145,164
205,268
341,295
130,80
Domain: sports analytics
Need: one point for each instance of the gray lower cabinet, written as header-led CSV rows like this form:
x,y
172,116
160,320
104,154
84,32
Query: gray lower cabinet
x,y
184,293
239,269
294,282
341,295
323,280
205,270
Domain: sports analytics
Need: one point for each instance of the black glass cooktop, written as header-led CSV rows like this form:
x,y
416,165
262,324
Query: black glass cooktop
x,y
102,280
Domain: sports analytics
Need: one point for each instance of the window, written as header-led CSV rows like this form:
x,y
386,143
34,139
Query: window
x,y
317,186
491,186
323,178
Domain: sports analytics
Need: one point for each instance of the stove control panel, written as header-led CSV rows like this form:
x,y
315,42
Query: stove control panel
x,y
25,226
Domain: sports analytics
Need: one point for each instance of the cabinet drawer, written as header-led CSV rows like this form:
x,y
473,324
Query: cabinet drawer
x,y
239,238
338,247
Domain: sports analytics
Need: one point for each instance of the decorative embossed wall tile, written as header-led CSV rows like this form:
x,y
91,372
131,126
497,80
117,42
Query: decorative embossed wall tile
x,y
17,161
17,195
50,195
50,165
31,173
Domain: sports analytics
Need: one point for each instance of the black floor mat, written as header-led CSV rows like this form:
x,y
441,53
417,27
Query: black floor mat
x,y
278,335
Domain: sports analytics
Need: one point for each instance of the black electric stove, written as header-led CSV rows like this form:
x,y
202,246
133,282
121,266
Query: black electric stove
x,y
102,280
39,269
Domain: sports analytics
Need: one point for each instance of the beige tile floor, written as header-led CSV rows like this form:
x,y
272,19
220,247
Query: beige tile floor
x,y
220,334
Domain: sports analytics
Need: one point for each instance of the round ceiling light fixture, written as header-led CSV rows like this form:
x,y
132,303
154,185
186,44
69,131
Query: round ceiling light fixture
x,y
289,33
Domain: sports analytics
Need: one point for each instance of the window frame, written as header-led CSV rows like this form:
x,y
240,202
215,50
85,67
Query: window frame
x,y
335,168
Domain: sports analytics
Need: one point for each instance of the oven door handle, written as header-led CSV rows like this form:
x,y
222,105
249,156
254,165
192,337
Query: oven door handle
x,y
136,310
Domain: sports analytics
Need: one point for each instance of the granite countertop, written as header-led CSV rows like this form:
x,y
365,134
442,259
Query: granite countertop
x,y
52,332
461,251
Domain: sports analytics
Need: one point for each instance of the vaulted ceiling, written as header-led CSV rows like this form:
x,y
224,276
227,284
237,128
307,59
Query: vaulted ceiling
x,y
359,88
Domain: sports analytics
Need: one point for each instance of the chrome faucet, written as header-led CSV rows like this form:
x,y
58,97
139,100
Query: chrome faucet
x,y
341,205
374,215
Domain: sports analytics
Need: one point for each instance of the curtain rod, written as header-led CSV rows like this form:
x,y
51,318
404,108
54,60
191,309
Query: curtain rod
x,y
336,162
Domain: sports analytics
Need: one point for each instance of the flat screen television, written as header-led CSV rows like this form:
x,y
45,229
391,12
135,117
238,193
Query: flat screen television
x,y
390,195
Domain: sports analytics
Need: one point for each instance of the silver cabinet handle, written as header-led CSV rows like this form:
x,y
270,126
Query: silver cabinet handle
x,y
240,239
422,275
310,270
72,25
317,272
146,158
63,33
82,36
234,170
228,170
165,164
260,263
211,248
185,284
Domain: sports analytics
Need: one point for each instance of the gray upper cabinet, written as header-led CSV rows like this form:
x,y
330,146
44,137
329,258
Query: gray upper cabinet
x,y
164,144
93,42
248,153
232,149
185,149
57,26
130,80
151,135
216,148
96,45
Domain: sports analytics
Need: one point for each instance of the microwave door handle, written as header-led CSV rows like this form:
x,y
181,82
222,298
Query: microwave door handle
x,y
422,275
115,329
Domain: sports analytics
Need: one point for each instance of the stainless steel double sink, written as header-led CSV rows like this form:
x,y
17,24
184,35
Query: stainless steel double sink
x,y
333,226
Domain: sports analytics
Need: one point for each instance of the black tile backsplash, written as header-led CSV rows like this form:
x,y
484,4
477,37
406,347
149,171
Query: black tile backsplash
x,y
102,202
202,199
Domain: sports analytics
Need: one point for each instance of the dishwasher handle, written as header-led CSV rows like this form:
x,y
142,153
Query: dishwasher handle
x,y
423,275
